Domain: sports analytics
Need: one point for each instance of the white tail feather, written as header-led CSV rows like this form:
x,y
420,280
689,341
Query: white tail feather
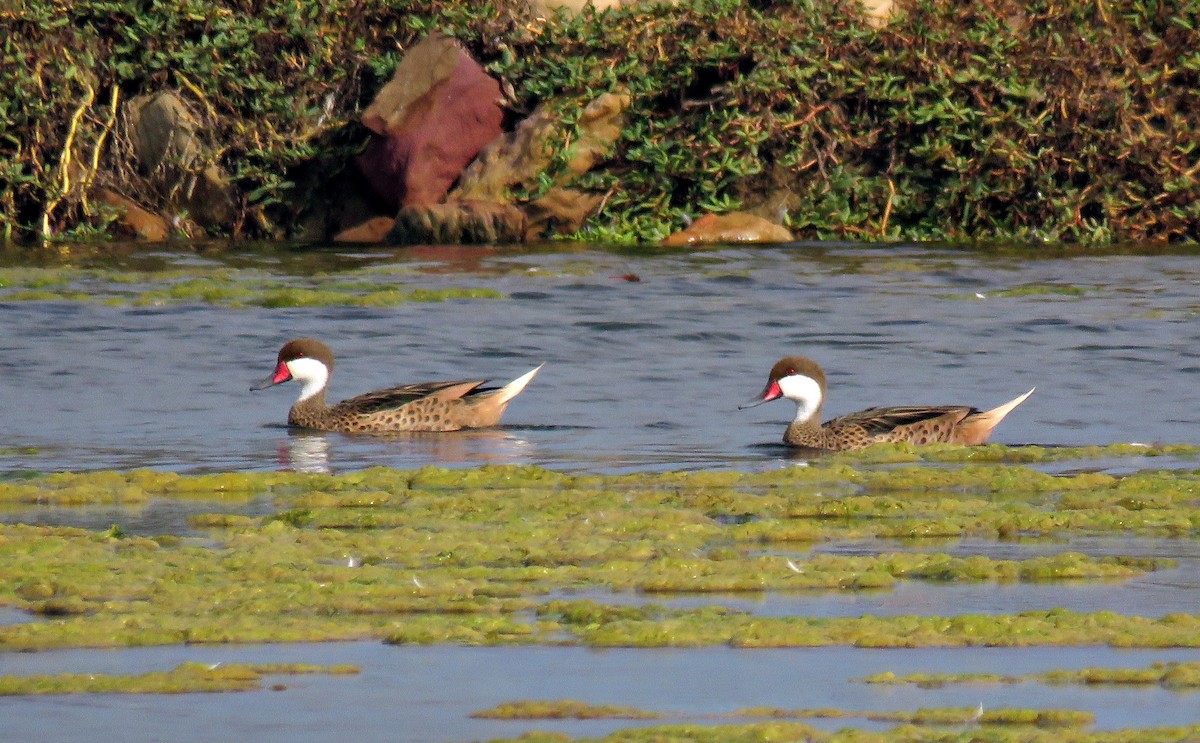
x,y
513,388
998,413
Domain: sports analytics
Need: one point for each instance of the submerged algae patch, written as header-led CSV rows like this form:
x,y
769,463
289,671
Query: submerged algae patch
x,y
185,678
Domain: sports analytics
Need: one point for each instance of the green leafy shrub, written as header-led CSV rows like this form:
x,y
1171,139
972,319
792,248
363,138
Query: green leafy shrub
x,y
1063,120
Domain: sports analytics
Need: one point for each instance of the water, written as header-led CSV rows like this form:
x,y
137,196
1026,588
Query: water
x,y
642,375
427,694
639,376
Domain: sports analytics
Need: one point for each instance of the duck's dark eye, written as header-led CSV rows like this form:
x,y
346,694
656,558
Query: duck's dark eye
x,y
790,372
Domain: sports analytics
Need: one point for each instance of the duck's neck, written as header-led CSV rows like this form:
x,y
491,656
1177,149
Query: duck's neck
x,y
308,411
807,419
807,414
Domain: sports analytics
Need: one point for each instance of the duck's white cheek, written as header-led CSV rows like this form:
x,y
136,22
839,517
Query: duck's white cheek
x,y
805,392
311,373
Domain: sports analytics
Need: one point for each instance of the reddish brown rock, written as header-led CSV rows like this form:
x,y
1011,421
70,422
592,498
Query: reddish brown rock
x,y
132,220
734,227
374,230
434,116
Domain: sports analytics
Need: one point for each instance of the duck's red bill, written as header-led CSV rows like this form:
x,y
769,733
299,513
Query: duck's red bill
x,y
281,374
769,393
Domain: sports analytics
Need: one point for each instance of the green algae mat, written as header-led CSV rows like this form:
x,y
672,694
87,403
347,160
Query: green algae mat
x,y
522,555
496,555
372,286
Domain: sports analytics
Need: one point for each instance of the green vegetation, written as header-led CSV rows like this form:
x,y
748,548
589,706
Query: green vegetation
x,y
523,555
484,556
651,626
563,709
226,287
551,710
1177,676
183,679
765,732
1051,120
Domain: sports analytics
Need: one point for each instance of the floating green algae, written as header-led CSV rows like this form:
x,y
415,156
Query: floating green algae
x,y
471,556
1030,290
655,626
1168,674
228,287
561,710
19,451
762,732
185,678
571,709
1027,454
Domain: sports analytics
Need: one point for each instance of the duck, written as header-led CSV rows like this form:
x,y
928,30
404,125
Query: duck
x,y
801,380
422,407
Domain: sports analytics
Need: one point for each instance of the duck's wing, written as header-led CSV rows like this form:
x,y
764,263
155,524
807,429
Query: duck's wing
x,y
885,419
395,397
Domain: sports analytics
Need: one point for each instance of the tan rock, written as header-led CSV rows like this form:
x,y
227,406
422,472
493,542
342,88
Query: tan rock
x,y
878,12
733,227
163,131
520,157
599,127
167,142
374,230
458,222
559,210
516,158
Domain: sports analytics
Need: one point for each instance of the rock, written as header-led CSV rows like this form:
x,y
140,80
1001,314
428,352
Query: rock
x,y
134,221
599,127
434,116
878,12
163,131
560,210
733,227
374,230
171,154
458,222
515,159
520,158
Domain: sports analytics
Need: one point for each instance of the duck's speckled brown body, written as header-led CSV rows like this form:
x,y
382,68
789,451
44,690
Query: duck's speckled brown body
x,y
801,380
429,406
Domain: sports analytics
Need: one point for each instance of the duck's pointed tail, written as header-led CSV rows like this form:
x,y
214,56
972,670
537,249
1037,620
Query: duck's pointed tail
x,y
513,388
977,427
487,407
